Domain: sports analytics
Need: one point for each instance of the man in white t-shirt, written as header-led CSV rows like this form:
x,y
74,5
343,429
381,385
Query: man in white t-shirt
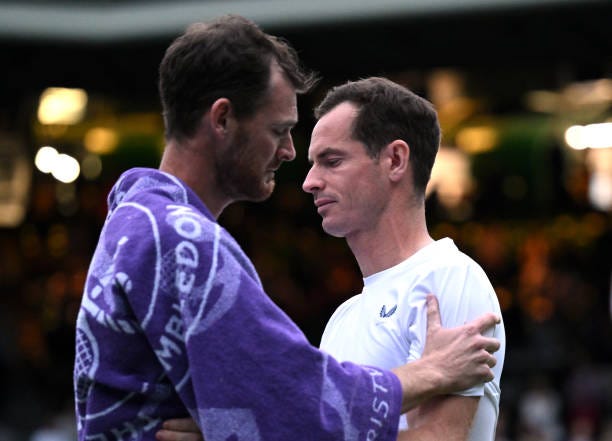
x,y
372,151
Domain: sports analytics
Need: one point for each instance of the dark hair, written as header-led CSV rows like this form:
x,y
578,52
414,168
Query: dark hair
x,y
228,57
386,112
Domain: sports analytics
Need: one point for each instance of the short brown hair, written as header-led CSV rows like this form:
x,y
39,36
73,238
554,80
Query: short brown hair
x,y
388,111
228,57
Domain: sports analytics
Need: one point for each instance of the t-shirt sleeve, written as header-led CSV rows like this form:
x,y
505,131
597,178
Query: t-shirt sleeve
x,y
464,293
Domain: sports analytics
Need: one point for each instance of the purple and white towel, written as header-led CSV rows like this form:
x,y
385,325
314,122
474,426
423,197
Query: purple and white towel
x,y
174,322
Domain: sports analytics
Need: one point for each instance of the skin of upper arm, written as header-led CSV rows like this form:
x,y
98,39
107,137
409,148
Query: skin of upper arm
x,y
447,418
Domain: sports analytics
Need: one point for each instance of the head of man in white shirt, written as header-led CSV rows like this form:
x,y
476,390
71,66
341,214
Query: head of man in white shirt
x,y
372,151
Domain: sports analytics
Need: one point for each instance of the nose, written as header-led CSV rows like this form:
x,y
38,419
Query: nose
x,y
286,151
312,182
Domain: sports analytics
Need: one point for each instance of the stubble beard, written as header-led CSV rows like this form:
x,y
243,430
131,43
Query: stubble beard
x,y
237,177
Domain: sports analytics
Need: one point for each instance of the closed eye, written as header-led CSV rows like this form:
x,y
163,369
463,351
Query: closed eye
x,y
281,131
333,162
329,157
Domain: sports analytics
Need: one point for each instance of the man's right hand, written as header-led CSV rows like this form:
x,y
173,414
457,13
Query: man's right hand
x,y
453,359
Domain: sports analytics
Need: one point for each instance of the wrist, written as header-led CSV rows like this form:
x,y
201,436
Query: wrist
x,y
420,381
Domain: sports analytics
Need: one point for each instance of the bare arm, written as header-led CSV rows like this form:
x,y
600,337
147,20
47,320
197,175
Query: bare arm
x,y
454,359
447,418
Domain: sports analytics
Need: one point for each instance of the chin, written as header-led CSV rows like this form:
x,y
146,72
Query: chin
x,y
268,188
329,229
258,197
261,193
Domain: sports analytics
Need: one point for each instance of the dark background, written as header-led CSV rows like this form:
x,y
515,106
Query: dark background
x,y
528,219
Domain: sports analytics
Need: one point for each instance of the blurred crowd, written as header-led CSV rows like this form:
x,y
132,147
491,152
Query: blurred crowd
x,y
552,274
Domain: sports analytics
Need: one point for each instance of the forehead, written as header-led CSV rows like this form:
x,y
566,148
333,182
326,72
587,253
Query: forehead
x,y
334,128
281,99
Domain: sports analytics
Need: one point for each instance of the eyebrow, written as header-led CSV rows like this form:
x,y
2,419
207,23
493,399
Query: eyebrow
x,y
327,151
286,123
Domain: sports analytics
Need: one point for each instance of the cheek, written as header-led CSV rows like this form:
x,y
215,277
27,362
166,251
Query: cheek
x,y
368,194
356,196
267,148
260,152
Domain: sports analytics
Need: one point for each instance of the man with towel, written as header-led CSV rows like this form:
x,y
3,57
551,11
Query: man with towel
x,y
174,320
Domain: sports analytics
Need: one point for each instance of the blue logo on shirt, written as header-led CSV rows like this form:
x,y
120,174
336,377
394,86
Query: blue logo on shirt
x,y
384,313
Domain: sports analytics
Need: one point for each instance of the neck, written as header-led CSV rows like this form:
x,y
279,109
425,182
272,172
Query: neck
x,y
189,161
396,237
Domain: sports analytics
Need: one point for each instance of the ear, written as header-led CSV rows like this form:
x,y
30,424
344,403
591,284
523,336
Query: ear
x,y
397,155
221,116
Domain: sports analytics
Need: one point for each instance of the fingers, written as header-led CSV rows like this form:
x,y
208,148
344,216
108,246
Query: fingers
x,y
179,429
486,321
487,376
171,435
483,371
181,425
490,360
433,313
491,345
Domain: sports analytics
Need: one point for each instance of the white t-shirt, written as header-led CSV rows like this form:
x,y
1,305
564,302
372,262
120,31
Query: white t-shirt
x,y
386,324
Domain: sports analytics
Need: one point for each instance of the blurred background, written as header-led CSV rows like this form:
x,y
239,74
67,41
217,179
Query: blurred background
x,y
522,183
